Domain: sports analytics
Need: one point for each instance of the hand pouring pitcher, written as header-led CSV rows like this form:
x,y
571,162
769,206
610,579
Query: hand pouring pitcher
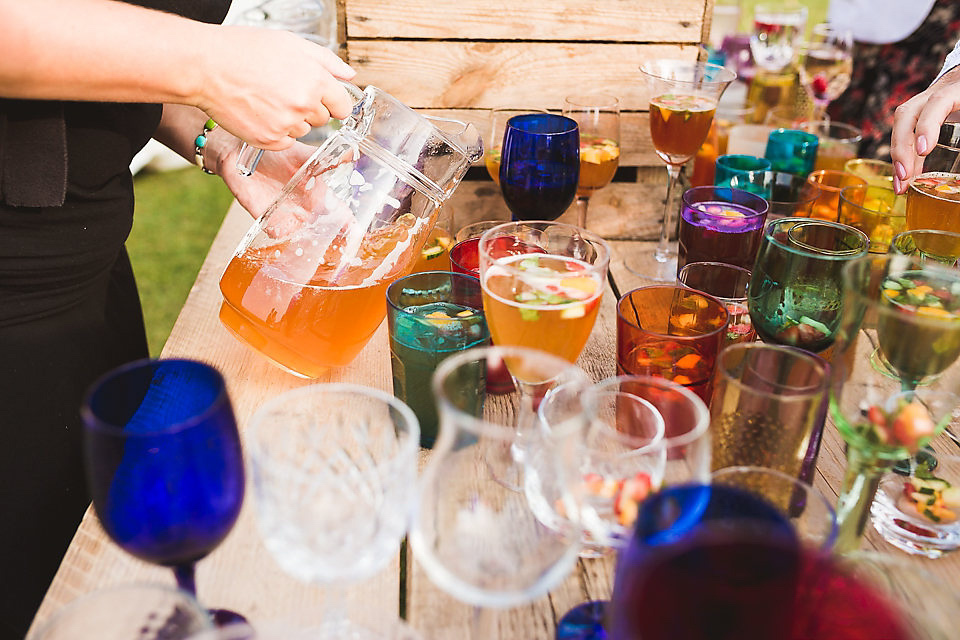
x,y
306,287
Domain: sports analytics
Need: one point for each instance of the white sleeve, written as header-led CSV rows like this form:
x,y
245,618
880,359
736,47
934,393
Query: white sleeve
x,y
952,60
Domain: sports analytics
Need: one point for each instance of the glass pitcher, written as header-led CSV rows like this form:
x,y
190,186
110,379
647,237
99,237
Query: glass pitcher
x,y
306,286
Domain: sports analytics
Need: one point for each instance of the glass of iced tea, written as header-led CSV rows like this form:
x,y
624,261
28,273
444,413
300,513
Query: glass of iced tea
x,y
542,283
933,202
839,143
721,224
928,244
877,211
671,332
831,182
683,100
877,173
598,116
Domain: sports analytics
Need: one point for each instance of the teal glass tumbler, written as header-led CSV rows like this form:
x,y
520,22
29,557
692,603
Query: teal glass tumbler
x,y
731,165
792,151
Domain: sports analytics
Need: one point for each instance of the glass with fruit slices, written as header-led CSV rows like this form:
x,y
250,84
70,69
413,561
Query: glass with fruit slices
x,y
683,100
933,202
644,435
598,116
542,284
877,211
795,290
727,283
672,332
720,224
928,245
890,405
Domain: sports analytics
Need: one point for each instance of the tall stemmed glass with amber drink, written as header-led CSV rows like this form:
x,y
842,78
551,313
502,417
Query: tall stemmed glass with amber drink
x,y
542,283
598,116
683,100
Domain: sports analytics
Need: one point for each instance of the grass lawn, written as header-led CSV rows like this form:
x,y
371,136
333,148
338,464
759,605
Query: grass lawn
x,y
176,217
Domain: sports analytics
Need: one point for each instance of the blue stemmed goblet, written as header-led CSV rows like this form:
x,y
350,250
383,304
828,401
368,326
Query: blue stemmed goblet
x,y
539,165
164,464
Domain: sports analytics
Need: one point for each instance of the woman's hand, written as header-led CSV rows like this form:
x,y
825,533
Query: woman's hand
x,y
270,87
916,126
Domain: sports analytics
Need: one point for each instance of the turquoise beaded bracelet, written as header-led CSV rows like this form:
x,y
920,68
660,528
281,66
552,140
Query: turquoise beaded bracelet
x,y
201,142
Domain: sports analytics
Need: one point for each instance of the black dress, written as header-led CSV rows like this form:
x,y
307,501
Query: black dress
x,y
69,311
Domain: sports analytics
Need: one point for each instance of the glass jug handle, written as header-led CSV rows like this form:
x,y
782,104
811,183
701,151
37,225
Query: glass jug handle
x,y
249,156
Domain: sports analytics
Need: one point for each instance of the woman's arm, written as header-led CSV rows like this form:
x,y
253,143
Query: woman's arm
x,y
266,86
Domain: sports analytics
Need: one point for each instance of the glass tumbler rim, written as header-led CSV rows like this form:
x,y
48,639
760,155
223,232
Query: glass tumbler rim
x,y
649,288
593,100
700,409
758,205
655,69
531,123
406,448
937,232
94,423
603,248
792,392
806,250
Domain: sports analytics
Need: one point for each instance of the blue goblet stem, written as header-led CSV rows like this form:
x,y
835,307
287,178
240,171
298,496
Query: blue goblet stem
x,y
186,578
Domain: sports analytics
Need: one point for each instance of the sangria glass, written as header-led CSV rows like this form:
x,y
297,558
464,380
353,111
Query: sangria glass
x,y
831,182
683,100
910,311
928,244
497,522
777,30
680,455
542,284
877,211
720,224
539,165
492,146
795,291
598,116
933,202
877,173
671,332
827,66
164,464
334,471
727,283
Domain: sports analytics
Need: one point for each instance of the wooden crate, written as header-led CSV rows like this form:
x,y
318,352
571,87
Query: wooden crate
x,y
461,58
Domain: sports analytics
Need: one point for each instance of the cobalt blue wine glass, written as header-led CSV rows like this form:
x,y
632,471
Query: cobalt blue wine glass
x,y
540,165
164,463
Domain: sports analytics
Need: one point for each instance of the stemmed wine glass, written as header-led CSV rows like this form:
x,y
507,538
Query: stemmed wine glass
x,y
827,66
542,284
598,116
489,529
777,29
681,455
910,311
539,165
164,463
683,100
492,145
334,473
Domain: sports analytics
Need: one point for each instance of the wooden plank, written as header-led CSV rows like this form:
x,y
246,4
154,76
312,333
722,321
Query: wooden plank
x,y
472,75
621,210
611,20
636,148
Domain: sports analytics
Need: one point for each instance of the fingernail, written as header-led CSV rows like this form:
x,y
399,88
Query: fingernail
x,y
896,182
921,144
901,172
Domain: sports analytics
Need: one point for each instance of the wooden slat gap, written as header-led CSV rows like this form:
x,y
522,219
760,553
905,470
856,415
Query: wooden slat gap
x,y
683,43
